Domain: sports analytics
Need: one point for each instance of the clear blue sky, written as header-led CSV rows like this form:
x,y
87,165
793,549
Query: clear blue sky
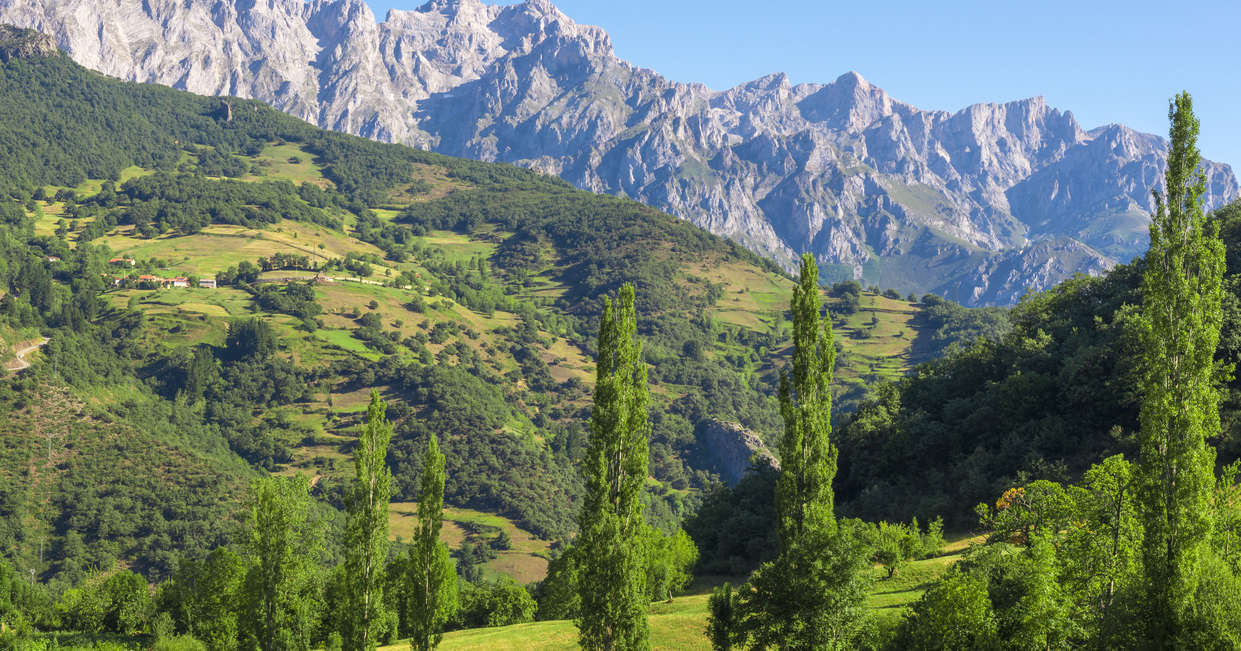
x,y
1106,61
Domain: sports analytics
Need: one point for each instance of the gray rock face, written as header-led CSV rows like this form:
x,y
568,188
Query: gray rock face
x,y
978,205
731,448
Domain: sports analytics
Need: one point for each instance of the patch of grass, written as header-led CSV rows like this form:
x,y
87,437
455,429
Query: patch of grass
x,y
675,625
289,162
525,561
920,198
428,182
218,247
345,340
456,246
696,170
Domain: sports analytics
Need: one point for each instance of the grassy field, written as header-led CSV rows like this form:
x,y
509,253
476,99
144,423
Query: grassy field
x,y
876,339
438,182
288,162
457,247
525,561
681,623
218,247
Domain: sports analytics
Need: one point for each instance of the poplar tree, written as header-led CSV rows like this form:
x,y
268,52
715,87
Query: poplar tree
x,y
431,579
812,595
612,580
284,547
1182,290
366,531
805,502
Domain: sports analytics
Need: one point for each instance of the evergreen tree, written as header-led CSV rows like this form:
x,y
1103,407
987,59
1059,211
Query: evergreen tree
x,y
366,531
284,548
1179,328
811,596
431,579
612,580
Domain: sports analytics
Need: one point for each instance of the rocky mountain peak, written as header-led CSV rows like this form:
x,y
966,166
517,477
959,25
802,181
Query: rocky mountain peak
x,y
849,104
978,204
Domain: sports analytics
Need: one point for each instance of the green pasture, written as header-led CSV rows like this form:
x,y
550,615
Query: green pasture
x,y
288,162
525,561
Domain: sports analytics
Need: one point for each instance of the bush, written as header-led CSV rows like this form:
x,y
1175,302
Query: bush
x,y
120,603
955,613
500,603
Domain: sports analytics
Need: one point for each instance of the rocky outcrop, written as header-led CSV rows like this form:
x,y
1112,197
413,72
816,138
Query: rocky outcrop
x,y
731,450
978,205
17,43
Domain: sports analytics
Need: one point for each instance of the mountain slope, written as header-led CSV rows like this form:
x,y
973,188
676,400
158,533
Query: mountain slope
x,y
978,205
467,293
1056,394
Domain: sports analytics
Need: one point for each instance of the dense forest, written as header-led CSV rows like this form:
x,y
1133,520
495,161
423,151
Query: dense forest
x,y
1044,401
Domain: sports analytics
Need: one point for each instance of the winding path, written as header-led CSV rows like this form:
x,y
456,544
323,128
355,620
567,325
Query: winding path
x,y
21,363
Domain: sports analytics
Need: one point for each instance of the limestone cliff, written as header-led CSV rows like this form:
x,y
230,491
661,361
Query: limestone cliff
x,y
978,205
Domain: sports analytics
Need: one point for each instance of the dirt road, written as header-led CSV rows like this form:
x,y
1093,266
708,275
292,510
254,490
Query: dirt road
x,y
20,362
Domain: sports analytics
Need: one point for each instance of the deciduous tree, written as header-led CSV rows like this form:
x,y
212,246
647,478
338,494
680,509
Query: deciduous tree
x,y
284,547
612,580
811,596
366,531
1182,289
431,579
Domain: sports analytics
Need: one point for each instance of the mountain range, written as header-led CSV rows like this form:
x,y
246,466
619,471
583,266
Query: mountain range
x,y
979,205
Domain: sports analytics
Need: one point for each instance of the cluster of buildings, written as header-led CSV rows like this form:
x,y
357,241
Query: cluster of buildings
x,y
176,281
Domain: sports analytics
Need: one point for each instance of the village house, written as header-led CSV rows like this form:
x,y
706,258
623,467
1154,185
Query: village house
x,y
123,261
207,283
179,281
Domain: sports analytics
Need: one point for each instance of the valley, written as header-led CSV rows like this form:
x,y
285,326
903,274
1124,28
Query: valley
x,y
401,286
271,386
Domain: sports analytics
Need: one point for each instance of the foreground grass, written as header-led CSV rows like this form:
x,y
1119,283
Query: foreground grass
x,y
679,624
682,622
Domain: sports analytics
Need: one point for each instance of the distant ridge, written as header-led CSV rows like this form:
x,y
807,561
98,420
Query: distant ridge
x,y
979,205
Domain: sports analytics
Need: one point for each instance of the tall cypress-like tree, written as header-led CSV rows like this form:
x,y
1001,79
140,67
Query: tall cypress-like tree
x,y
366,531
431,579
1182,290
612,580
812,595
805,501
284,547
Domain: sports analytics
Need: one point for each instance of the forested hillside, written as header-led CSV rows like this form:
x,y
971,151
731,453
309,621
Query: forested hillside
x,y
1045,401
468,293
